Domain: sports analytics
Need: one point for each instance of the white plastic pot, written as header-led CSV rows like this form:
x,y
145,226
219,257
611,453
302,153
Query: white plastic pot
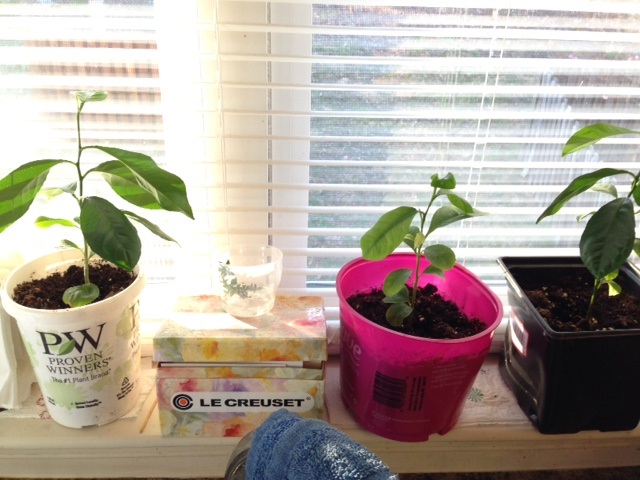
x,y
96,379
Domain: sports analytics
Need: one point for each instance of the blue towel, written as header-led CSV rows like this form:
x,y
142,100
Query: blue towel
x,y
287,447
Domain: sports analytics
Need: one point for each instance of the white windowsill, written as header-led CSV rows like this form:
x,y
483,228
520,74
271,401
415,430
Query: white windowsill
x,y
485,439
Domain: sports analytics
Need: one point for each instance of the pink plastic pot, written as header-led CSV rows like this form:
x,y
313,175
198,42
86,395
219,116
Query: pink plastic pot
x,y
402,387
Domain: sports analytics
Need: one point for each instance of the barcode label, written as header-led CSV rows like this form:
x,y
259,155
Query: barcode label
x,y
418,392
402,394
389,391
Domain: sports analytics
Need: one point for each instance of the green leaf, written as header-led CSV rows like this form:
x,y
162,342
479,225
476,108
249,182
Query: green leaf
x,y
579,185
66,347
387,234
153,228
580,218
448,182
607,188
440,256
447,215
47,222
611,276
608,238
19,189
413,238
85,96
54,192
80,295
635,193
70,244
433,270
109,232
591,134
401,297
397,312
168,190
461,203
636,246
418,241
123,181
396,281
614,288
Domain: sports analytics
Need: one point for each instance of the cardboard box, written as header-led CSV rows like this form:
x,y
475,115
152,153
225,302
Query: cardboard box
x,y
231,401
222,376
200,331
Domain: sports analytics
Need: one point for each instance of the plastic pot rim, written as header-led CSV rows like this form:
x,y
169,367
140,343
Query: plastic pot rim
x,y
491,327
61,260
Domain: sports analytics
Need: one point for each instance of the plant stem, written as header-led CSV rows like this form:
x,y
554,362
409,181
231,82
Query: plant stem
x,y
418,251
596,286
634,185
80,148
414,293
597,283
81,190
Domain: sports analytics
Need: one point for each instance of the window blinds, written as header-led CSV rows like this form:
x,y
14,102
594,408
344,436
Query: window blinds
x,y
50,49
333,113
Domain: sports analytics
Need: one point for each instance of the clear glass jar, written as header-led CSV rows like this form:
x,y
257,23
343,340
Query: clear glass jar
x,y
236,466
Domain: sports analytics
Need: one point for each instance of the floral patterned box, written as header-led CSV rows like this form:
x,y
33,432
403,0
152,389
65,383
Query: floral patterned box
x,y
230,401
222,376
200,331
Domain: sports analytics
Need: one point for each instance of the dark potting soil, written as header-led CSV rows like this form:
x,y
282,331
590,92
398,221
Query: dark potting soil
x,y
433,316
563,301
46,293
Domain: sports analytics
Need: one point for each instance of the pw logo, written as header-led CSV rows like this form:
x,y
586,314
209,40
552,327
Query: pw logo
x,y
78,339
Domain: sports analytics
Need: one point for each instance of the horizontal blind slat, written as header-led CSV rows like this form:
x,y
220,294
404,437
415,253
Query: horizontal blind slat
x,y
487,5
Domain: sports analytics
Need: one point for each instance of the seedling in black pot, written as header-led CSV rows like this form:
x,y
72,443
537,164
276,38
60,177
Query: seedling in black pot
x,y
609,235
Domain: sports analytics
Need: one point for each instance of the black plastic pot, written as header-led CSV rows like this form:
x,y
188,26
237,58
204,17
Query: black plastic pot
x,y
567,382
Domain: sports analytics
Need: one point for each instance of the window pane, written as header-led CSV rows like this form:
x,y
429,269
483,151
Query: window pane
x,y
489,94
50,49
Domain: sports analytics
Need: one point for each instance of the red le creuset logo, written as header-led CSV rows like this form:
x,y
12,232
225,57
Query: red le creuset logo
x,y
182,402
